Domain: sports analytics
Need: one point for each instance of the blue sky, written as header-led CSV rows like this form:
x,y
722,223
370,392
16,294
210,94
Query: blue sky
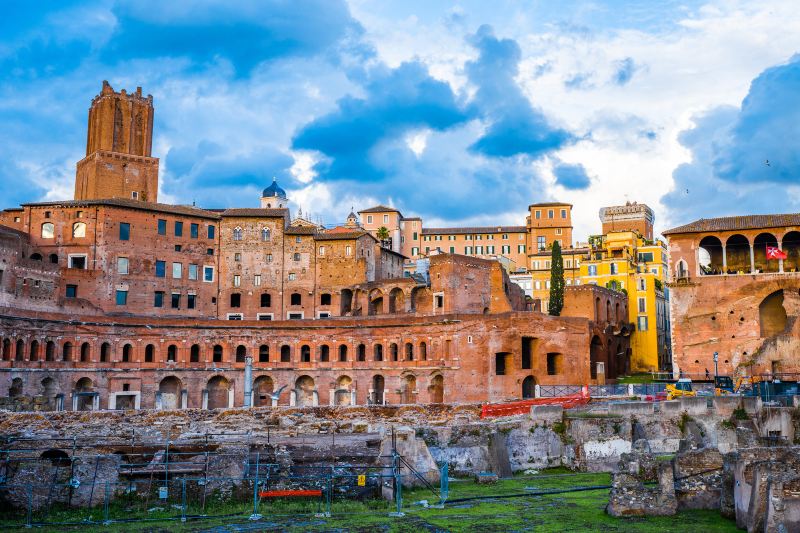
x,y
459,112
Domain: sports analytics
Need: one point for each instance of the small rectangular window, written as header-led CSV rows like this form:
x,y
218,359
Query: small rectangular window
x,y
161,269
237,280
237,257
122,297
162,226
191,301
550,213
321,250
124,231
194,229
538,215
642,305
369,219
208,274
158,299
257,280
236,300
348,251
269,258
385,218
209,251
177,270
563,213
298,239
77,261
178,228
642,320
178,248
292,276
176,301
211,230
297,257
72,291
122,265
192,272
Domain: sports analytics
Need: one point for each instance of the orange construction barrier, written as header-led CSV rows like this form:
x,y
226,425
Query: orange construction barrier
x,y
523,406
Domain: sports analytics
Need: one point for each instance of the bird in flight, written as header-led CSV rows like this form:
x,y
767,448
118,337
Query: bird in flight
x,y
767,163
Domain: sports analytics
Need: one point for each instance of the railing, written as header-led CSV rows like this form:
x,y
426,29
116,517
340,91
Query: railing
x,y
556,391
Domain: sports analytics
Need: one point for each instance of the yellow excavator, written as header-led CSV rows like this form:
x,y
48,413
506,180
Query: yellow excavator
x,y
680,389
725,384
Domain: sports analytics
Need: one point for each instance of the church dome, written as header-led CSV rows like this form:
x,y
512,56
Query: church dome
x,y
274,190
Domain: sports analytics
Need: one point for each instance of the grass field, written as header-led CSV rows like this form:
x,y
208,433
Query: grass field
x,y
572,511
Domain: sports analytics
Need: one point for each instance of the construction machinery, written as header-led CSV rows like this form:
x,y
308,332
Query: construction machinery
x,y
680,389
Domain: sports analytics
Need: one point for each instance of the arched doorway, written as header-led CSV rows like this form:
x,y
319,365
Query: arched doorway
x,y
595,355
263,387
342,395
528,387
84,393
407,389
710,256
218,395
377,389
375,303
305,390
436,389
772,314
170,390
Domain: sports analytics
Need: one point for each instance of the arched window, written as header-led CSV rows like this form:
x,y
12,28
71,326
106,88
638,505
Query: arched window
x,y
286,353
266,300
126,353
54,258
377,352
172,353
105,349
237,234
34,351
149,353
393,351
265,234
324,353
342,352
79,230
241,353
409,351
36,257
194,353
85,352
66,354
48,230
263,354
362,352
217,356
423,351
50,351
305,354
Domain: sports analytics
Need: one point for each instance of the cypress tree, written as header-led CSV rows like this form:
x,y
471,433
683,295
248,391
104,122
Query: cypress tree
x,y
556,282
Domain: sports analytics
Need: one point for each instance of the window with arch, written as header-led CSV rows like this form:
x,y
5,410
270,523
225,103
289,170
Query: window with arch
x,y
263,354
79,230
217,355
237,234
194,354
324,353
126,353
377,352
362,353
266,300
286,353
265,234
105,350
342,352
48,230
149,353
423,351
172,353
305,353
241,353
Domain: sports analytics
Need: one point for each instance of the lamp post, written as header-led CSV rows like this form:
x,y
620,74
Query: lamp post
x,y
716,358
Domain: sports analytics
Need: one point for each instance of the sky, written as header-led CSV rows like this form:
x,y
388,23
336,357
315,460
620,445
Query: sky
x,y
462,113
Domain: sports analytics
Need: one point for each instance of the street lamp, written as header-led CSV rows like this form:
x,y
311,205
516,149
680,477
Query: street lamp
x,y
716,358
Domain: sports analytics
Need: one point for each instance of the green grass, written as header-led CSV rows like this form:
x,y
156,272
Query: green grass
x,y
643,377
576,511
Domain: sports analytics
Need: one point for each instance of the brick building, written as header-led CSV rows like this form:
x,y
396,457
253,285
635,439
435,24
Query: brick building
x,y
113,300
727,296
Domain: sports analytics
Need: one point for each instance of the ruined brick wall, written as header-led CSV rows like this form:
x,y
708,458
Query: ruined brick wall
x,y
732,314
416,359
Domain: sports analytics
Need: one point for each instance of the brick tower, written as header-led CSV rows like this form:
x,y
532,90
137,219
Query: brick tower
x,y
118,146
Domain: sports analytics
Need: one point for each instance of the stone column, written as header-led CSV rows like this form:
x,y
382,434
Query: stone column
x,y
293,397
159,401
96,402
230,397
752,260
353,397
780,261
205,399
316,398
332,396
184,399
724,260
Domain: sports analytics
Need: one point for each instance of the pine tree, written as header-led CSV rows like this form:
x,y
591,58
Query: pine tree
x,y
556,282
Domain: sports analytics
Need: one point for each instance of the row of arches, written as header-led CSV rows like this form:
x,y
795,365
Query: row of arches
x,y
83,352
739,254
48,230
608,312
378,301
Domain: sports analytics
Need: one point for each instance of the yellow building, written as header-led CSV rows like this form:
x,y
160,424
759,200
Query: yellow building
x,y
625,261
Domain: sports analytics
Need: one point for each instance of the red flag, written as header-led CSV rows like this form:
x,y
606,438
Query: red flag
x,y
773,252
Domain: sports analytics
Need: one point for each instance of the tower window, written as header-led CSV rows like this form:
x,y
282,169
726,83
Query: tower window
x,y
124,231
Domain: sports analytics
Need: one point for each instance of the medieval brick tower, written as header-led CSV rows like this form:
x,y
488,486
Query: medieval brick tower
x,y
118,146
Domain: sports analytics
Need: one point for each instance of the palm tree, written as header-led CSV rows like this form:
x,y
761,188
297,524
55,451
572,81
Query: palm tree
x,y
382,234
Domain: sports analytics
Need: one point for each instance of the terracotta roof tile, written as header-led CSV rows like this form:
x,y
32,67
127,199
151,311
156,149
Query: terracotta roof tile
x,y
737,223
379,209
255,212
186,210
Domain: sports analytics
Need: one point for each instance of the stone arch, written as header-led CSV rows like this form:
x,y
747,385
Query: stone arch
x,y
33,352
172,353
681,269
66,351
342,394
416,297
218,388
737,254
324,353
20,351
710,256
241,353
149,353
342,352
57,458
423,351
436,389
83,389
407,388
263,353
286,353
217,353
346,302
394,351
790,244
54,259
397,300
263,387
528,387
105,352
50,351
36,256
305,391
127,353
378,386
15,390
772,314
295,299
375,302
760,260
170,389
